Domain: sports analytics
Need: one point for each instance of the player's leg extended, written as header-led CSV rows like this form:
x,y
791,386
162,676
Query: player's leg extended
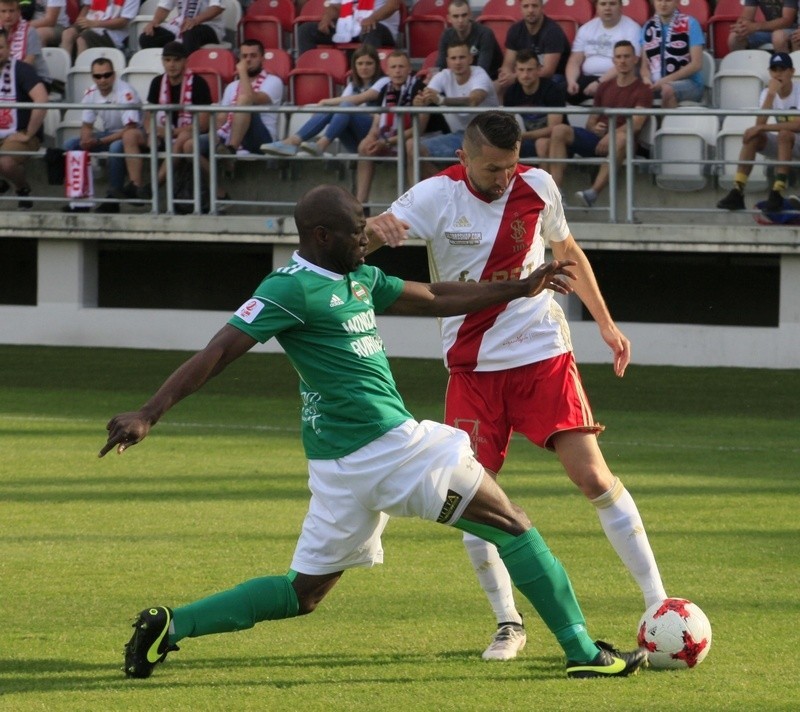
x,y
584,463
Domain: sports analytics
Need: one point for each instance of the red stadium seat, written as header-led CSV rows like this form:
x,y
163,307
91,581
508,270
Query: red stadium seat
x,y
430,7
638,10
579,10
317,74
499,25
719,24
311,11
270,22
504,8
278,62
422,34
428,64
698,9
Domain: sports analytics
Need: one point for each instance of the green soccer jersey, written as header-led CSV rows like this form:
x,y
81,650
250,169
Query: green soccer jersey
x,y
325,323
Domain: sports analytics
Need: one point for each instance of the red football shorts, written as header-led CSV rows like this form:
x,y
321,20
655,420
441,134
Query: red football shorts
x,y
537,400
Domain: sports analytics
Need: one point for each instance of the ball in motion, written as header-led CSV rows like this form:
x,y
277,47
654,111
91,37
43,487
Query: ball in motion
x,y
676,634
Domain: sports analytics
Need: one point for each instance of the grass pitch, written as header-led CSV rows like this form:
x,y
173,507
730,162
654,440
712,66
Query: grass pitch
x,y
217,493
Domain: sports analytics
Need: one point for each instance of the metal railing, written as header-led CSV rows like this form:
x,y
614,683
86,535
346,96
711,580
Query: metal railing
x,y
616,212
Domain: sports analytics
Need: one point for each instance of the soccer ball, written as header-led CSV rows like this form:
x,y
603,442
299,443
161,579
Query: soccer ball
x,y
676,634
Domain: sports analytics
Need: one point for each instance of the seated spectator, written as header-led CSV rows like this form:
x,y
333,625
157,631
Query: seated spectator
x,y
100,23
625,91
23,40
461,84
121,133
483,47
592,58
374,22
536,32
175,86
50,19
241,133
672,55
400,89
778,141
197,23
20,129
365,87
794,40
529,91
777,28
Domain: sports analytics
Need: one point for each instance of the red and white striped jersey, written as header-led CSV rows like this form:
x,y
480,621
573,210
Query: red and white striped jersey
x,y
472,239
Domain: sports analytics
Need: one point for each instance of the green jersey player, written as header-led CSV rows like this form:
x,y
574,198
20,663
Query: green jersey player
x,y
368,458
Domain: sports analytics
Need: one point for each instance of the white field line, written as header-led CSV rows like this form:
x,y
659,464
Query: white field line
x,y
284,429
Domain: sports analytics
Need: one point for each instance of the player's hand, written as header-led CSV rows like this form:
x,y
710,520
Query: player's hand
x,y
125,430
547,277
387,229
619,345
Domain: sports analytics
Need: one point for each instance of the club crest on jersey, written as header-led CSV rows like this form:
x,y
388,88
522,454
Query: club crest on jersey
x,y
359,292
519,234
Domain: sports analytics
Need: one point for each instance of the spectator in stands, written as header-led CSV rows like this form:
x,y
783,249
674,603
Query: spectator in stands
x,y
374,22
121,133
50,20
461,84
482,43
672,55
20,129
401,89
365,87
779,24
537,32
529,91
23,40
175,86
243,133
592,58
196,23
625,91
778,141
100,23
794,40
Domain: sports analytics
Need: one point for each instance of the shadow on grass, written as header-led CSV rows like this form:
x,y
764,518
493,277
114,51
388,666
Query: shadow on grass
x,y
315,669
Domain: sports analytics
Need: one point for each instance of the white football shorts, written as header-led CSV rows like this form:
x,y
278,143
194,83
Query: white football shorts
x,y
422,470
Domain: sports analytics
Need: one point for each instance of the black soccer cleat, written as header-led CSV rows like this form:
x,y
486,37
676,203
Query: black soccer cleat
x,y
149,643
734,200
609,662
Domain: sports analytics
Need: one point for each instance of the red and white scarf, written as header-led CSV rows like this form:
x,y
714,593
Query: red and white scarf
x,y
18,40
79,180
395,96
8,93
351,14
104,9
224,131
164,97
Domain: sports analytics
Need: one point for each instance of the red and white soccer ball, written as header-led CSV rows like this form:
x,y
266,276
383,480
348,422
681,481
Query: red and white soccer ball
x,y
676,633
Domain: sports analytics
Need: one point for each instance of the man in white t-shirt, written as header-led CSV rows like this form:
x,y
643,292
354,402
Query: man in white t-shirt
x,y
592,58
195,24
100,23
373,22
778,140
50,20
110,130
512,369
461,84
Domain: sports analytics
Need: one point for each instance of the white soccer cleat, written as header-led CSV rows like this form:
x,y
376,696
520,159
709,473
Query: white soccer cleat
x,y
507,641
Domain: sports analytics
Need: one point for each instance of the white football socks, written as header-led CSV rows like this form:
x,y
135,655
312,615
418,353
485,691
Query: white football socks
x,y
493,577
623,526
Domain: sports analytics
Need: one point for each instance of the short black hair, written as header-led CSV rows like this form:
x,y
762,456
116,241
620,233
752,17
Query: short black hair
x,y
625,43
493,128
526,55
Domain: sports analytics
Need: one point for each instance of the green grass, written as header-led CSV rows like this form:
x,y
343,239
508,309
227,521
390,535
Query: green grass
x,y
217,493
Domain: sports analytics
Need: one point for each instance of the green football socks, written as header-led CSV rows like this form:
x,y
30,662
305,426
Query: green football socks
x,y
541,578
241,607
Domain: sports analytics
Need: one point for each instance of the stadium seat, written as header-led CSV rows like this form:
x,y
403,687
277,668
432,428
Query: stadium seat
x,y
317,75
796,62
58,62
740,78
216,66
724,16
709,66
73,10
499,26
581,11
503,8
311,11
278,62
69,126
140,78
270,22
637,10
149,58
728,144
422,33
79,77
686,138
698,9
428,64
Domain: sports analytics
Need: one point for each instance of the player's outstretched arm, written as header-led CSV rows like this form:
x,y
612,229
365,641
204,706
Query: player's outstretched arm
x,y
450,298
385,229
588,291
226,346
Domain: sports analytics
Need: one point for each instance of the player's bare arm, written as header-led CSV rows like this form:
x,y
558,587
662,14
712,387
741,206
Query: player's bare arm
x,y
386,229
588,291
226,346
450,298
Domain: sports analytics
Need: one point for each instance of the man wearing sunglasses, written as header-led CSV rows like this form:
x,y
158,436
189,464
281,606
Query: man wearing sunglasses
x,y
121,133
